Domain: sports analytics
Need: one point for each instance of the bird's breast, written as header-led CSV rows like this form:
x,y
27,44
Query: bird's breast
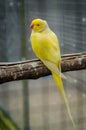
x,y
38,44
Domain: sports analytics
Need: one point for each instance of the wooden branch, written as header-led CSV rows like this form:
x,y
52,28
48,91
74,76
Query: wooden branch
x,y
33,69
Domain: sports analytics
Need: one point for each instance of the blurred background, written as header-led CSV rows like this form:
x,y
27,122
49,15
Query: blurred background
x,y
37,104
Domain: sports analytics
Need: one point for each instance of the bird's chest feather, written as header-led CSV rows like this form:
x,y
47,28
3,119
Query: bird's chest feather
x,y
39,45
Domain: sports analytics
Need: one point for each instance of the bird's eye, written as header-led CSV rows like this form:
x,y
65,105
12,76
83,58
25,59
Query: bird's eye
x,y
38,24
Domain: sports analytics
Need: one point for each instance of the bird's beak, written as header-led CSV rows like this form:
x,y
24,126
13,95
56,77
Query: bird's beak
x,y
31,26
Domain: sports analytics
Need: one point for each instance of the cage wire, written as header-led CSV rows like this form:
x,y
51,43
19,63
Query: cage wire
x,y
46,110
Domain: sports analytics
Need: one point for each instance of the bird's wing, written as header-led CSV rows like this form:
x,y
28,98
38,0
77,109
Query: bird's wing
x,y
52,58
50,49
53,67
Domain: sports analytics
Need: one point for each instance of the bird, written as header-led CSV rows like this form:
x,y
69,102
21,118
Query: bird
x,y
45,45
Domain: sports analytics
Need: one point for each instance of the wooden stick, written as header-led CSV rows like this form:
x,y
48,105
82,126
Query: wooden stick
x,y
33,69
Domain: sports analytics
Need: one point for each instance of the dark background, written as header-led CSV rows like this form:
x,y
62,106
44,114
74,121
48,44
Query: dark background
x,y
36,104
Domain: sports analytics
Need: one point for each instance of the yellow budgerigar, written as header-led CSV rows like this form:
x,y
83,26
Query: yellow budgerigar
x,y
45,45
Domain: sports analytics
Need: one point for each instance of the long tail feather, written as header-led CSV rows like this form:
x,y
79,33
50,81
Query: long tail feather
x,y
60,87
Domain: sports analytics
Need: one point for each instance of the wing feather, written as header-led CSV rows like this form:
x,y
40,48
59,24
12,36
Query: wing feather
x,y
53,67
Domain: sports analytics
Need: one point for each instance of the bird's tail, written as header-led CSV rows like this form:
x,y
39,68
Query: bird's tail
x,y
59,84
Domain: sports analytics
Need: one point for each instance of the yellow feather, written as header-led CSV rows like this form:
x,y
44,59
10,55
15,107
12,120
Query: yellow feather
x,y
60,87
46,47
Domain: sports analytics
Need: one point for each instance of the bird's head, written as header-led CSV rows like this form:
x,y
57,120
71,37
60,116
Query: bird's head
x,y
38,25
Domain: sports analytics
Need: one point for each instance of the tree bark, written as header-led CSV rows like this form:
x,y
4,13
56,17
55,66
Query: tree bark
x,y
33,69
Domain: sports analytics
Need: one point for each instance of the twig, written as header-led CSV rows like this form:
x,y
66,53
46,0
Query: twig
x,y
33,69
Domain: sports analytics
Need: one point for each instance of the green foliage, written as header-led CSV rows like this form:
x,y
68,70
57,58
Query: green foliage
x,y
6,121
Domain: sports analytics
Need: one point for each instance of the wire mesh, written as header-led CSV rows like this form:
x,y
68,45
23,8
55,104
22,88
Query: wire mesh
x,y
46,108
